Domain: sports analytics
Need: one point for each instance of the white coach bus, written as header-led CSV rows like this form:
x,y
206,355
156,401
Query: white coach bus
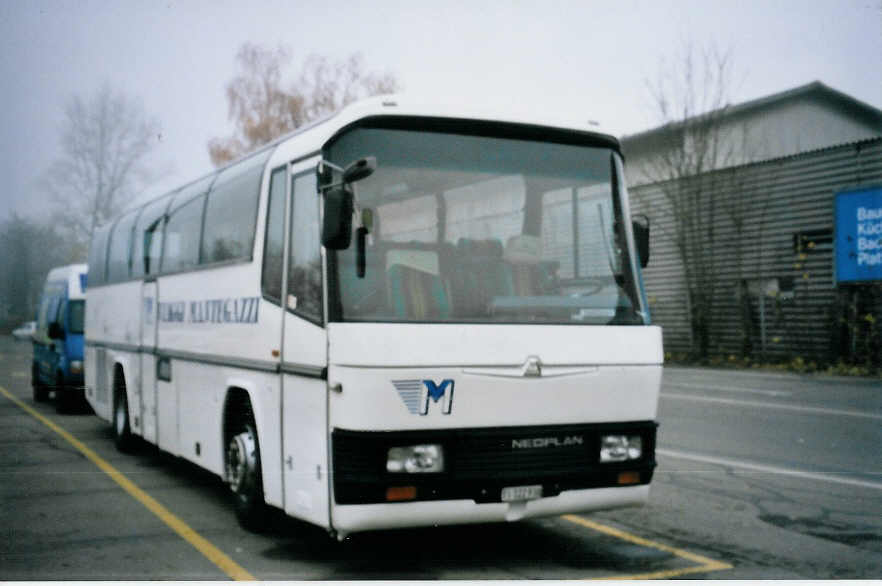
x,y
398,316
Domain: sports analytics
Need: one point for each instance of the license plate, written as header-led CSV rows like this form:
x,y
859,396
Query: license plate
x,y
521,493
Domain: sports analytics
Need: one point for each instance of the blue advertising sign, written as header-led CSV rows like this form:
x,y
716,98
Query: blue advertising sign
x,y
858,244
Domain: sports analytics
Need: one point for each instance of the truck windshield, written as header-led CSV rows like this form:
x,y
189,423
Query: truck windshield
x,y
482,229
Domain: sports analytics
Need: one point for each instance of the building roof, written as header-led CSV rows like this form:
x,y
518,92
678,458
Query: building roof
x,y
815,90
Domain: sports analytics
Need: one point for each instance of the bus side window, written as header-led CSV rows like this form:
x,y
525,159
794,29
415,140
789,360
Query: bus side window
x,y
98,255
271,281
305,261
182,230
119,259
231,211
152,243
147,241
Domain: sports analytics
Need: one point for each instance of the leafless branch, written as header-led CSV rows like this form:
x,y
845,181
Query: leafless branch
x,y
105,142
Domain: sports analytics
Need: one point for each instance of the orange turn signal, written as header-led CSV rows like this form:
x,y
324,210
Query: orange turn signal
x,y
400,493
629,477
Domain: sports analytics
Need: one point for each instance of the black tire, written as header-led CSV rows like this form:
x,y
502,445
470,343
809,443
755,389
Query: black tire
x,y
63,395
41,393
244,477
122,430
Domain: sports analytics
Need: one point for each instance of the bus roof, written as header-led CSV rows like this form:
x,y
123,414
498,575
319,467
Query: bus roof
x,y
311,137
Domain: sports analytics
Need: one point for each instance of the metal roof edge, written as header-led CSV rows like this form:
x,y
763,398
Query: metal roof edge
x,y
727,111
857,143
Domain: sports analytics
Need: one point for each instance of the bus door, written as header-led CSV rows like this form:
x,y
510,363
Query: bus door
x,y
149,298
304,356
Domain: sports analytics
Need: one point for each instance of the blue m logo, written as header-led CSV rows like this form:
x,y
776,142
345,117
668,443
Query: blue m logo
x,y
418,395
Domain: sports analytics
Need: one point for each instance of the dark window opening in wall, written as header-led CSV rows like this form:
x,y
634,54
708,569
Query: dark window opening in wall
x,y
813,241
785,288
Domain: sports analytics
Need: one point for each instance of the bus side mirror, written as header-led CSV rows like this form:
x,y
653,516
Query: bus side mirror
x,y
358,170
337,218
641,239
55,331
340,201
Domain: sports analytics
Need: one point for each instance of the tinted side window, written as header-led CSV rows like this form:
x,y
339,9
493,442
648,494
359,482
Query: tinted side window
x,y
181,250
231,213
305,268
142,263
42,320
120,247
275,237
76,315
52,314
98,255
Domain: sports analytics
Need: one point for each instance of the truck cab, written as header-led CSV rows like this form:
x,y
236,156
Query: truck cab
x,y
58,340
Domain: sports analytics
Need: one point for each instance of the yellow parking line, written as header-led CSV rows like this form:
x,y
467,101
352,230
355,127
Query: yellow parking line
x,y
205,547
705,564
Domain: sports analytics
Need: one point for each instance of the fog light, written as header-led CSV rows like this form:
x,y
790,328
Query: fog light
x,y
620,448
415,459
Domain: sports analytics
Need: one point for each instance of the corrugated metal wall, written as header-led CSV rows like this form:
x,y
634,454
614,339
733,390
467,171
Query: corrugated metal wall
x,y
785,208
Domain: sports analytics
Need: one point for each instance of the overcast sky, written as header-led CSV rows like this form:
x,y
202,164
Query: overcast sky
x,y
581,59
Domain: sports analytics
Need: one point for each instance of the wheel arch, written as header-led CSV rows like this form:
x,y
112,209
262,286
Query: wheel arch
x,y
121,374
237,395
237,390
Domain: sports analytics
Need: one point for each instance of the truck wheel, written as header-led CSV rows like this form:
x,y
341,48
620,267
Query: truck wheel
x,y
122,431
63,399
244,476
41,393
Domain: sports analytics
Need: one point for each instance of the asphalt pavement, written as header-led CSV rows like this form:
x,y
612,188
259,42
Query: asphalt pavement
x,y
761,476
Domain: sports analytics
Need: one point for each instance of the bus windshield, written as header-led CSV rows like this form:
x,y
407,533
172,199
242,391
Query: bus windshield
x,y
489,230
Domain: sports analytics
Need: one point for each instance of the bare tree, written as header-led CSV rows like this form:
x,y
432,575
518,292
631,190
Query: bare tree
x,y
105,142
23,266
691,99
262,108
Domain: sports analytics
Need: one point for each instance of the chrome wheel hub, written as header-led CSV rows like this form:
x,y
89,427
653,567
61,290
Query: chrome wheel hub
x,y
241,460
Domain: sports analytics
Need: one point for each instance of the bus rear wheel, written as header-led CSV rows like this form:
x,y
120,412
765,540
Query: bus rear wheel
x,y
244,477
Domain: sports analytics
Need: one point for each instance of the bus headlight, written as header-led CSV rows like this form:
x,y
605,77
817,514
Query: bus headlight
x,y
620,448
415,459
76,366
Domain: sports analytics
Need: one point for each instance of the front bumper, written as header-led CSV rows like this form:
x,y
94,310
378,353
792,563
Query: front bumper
x,y
480,462
354,518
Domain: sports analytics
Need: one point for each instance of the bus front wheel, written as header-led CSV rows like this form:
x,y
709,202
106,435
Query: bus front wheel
x,y
244,477
122,431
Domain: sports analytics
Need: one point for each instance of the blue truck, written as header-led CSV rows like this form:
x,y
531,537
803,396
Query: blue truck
x,y
58,340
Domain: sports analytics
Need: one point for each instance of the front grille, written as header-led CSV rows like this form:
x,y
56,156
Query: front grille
x,y
480,462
